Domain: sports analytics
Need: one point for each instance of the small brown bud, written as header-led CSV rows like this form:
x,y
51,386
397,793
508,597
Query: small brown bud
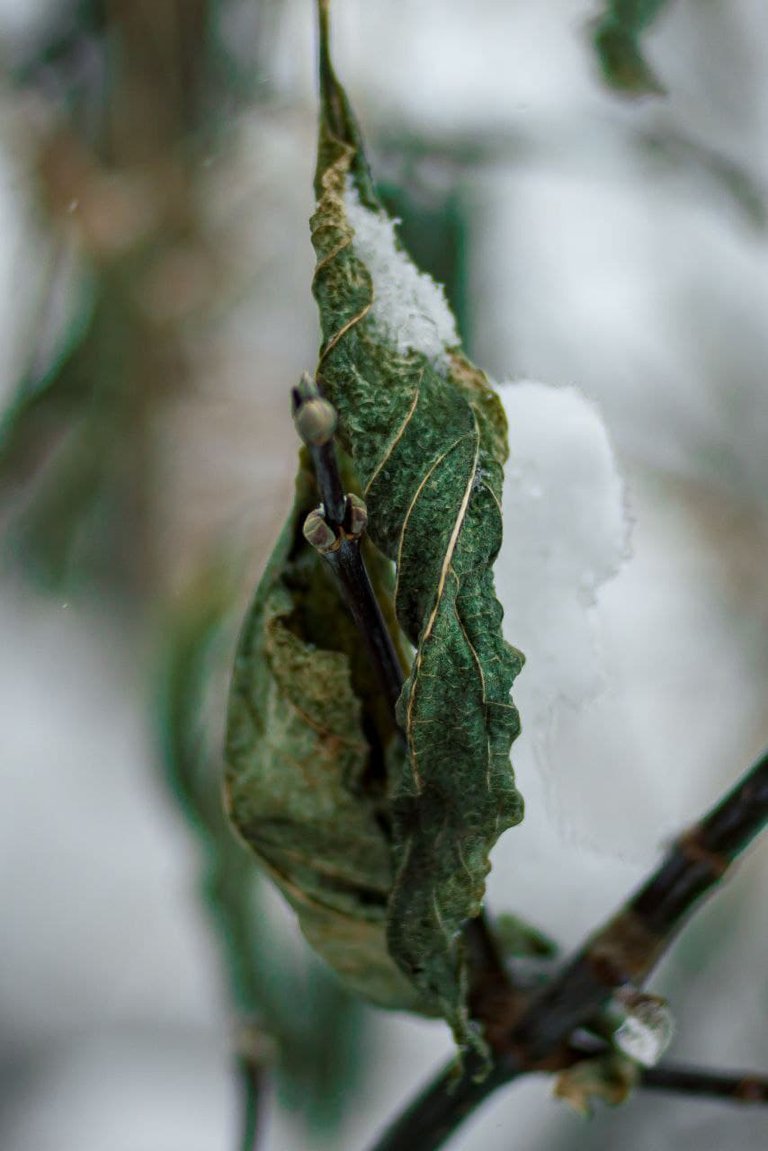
x,y
315,420
356,518
319,533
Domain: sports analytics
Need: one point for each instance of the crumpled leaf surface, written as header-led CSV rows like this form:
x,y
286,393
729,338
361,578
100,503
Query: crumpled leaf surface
x,y
617,36
427,436
307,749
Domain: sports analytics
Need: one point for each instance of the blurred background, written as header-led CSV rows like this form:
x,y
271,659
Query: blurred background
x,y
156,161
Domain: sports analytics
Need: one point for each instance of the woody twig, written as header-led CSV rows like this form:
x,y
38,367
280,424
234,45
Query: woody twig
x,y
621,954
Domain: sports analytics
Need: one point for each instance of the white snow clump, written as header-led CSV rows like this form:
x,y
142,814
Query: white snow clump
x,y
565,534
409,309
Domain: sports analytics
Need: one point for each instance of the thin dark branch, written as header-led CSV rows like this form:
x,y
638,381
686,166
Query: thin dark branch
x,y
315,421
623,952
439,1110
629,946
349,568
441,1107
741,1087
737,1087
485,957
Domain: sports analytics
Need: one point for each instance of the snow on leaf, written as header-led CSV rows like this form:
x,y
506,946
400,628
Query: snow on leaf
x,y
566,535
409,309
427,437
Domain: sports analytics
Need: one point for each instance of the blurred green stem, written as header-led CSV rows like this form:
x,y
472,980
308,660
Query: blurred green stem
x,y
250,1071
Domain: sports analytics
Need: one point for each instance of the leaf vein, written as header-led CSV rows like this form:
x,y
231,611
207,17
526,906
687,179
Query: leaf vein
x,y
396,440
446,566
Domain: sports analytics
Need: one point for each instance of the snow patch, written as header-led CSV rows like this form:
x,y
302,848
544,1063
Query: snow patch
x,y
565,534
409,309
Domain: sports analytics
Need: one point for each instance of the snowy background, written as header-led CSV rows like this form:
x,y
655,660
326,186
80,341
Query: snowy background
x,y
618,249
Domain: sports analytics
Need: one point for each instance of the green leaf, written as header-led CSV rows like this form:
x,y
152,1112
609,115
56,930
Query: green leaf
x,y
617,36
427,436
309,747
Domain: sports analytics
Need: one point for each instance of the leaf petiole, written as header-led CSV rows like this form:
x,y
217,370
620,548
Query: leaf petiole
x,y
335,529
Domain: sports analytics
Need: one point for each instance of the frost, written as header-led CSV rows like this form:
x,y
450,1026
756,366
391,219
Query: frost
x,y
409,309
565,534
